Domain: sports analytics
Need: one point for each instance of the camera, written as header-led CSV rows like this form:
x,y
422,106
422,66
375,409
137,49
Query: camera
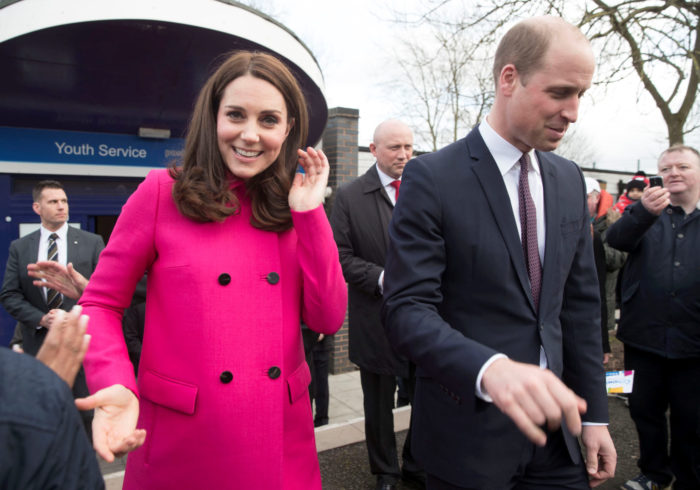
x,y
656,181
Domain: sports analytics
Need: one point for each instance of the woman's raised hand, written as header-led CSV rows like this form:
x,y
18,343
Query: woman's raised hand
x,y
309,189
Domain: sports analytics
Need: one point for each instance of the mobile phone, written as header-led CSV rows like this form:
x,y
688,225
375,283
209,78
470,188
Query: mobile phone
x,y
656,181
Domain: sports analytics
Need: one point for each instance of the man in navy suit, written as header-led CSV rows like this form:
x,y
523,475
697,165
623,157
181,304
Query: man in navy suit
x,y
29,304
491,288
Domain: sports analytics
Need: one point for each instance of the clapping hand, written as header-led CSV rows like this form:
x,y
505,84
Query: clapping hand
x,y
66,343
63,278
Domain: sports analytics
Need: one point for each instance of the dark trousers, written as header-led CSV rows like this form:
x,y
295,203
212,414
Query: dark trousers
x,y
543,468
660,385
321,355
378,396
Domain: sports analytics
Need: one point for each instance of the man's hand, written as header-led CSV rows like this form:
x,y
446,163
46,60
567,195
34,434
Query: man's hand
x,y
655,199
63,278
114,431
49,318
66,343
531,397
600,454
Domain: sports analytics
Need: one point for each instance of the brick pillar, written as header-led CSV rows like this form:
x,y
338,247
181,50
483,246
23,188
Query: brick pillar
x,y
340,143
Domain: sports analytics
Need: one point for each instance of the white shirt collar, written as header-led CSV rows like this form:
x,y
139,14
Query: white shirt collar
x,y
62,232
384,178
505,154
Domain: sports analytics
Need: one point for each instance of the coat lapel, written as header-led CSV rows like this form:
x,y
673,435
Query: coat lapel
x,y
371,184
552,228
72,243
497,198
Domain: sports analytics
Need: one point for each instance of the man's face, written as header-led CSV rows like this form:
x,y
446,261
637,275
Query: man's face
x,y
593,198
52,207
681,173
541,107
393,149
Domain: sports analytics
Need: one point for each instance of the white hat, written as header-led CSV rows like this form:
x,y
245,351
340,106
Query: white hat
x,y
592,185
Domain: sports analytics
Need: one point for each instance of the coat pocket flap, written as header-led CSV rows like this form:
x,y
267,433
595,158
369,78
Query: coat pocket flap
x,y
299,382
168,392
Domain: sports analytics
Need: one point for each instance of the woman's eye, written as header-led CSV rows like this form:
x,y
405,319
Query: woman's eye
x,y
269,120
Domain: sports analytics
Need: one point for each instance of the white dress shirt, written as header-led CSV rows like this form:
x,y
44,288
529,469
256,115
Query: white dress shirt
x,y
61,243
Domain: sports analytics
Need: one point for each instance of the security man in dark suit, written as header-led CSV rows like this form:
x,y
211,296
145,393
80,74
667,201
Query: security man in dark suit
x,y
360,219
491,288
35,307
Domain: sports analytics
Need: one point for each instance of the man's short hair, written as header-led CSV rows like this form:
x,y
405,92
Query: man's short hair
x,y
523,46
680,147
45,184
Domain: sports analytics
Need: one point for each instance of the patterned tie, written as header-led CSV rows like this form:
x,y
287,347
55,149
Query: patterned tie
x,y
396,184
53,298
528,226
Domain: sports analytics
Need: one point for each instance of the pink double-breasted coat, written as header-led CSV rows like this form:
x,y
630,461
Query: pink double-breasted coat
x,y
222,383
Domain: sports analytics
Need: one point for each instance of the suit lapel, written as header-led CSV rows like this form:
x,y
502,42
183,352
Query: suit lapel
x,y
497,198
372,184
72,244
552,229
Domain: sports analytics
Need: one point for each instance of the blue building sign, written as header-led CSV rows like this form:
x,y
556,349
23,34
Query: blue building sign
x,y
72,147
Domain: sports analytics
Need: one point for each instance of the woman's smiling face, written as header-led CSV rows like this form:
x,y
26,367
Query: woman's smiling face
x,y
251,126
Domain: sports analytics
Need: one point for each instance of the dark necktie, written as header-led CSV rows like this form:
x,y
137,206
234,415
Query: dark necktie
x,y
53,298
396,184
528,226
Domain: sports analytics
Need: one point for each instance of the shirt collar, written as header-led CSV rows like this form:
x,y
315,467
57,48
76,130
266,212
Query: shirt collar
x,y
505,154
62,232
384,178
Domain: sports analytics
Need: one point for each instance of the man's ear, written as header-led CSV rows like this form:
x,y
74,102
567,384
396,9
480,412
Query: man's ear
x,y
508,79
35,207
373,149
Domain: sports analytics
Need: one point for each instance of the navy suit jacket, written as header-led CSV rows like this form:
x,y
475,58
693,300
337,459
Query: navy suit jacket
x,y
457,292
26,302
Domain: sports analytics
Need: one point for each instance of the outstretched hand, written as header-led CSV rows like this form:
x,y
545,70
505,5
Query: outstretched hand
x,y
65,344
533,397
114,431
308,189
63,278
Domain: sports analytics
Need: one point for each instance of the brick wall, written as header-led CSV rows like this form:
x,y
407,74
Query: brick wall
x,y
340,143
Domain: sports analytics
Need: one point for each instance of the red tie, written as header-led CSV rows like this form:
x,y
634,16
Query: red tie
x,y
528,227
396,184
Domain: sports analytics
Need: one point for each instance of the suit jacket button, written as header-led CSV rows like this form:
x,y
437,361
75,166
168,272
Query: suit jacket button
x,y
273,278
226,377
224,279
274,372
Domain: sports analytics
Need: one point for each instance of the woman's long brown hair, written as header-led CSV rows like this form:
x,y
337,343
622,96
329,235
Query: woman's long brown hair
x,y
202,184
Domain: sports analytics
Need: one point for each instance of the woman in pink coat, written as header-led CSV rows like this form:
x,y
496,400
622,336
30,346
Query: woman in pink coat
x,y
238,251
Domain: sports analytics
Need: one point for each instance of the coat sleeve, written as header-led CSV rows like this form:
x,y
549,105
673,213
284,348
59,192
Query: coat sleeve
x,y
582,354
627,232
324,292
413,288
13,295
361,273
130,252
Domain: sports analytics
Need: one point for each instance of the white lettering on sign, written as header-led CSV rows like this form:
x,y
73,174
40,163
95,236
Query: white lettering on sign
x,y
86,149
82,149
128,152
